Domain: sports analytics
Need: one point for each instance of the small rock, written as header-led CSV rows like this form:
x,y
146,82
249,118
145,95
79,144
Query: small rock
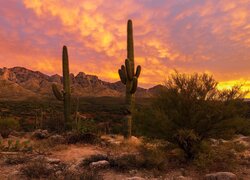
x,y
40,134
220,176
135,178
53,161
133,172
57,139
99,164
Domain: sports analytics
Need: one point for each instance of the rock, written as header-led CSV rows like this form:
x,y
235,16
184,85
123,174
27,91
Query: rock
x,y
133,172
99,164
40,134
53,161
112,139
220,176
182,178
135,178
57,139
134,141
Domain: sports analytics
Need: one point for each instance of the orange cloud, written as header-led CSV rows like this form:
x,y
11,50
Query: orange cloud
x,y
191,36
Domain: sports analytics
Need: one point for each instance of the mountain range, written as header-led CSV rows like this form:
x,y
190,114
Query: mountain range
x,y
21,83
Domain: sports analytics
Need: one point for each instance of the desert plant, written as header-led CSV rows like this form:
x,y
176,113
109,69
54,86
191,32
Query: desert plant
x,y
190,109
7,125
16,159
16,146
65,95
221,157
78,137
37,169
129,77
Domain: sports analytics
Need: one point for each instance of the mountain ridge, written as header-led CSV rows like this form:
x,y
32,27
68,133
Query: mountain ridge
x,y
19,82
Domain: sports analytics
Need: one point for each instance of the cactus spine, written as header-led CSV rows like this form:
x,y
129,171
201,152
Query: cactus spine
x,y
129,77
65,94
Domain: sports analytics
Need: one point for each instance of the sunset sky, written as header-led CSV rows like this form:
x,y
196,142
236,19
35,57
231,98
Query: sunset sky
x,y
210,36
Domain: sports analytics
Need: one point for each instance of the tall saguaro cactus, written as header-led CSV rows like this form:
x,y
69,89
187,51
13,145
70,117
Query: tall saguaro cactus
x,y
129,77
65,94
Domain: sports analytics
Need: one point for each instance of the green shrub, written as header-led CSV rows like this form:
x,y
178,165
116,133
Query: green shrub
x,y
16,146
7,125
190,109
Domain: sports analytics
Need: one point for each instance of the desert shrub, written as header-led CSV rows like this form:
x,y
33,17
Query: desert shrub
x,y
7,125
37,169
125,162
16,146
153,157
27,124
78,137
86,126
190,109
221,157
16,159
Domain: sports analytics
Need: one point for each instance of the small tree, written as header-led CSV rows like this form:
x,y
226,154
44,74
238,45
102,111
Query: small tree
x,y
190,109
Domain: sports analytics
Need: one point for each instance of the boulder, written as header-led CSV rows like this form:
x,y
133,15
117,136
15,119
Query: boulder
x,y
220,176
99,164
40,134
57,139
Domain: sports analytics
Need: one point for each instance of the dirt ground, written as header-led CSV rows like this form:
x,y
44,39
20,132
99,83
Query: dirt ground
x,y
72,154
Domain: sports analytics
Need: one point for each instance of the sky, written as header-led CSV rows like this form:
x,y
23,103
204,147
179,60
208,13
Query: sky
x,y
211,36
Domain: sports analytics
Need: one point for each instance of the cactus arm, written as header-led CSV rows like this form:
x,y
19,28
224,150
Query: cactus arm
x,y
123,68
122,76
138,71
134,85
57,93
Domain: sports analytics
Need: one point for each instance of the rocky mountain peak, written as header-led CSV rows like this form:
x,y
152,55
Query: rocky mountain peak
x,y
7,74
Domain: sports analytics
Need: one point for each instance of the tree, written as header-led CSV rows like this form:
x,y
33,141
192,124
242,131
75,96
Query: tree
x,y
190,109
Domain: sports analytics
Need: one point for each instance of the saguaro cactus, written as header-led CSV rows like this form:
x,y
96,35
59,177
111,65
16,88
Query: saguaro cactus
x,y
129,77
65,94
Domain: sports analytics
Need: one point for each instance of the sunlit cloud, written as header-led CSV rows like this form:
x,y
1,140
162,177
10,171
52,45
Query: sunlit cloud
x,y
190,36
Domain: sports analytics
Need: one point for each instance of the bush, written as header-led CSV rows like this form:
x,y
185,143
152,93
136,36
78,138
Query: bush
x,y
7,125
221,157
190,109
16,159
37,169
16,146
78,137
